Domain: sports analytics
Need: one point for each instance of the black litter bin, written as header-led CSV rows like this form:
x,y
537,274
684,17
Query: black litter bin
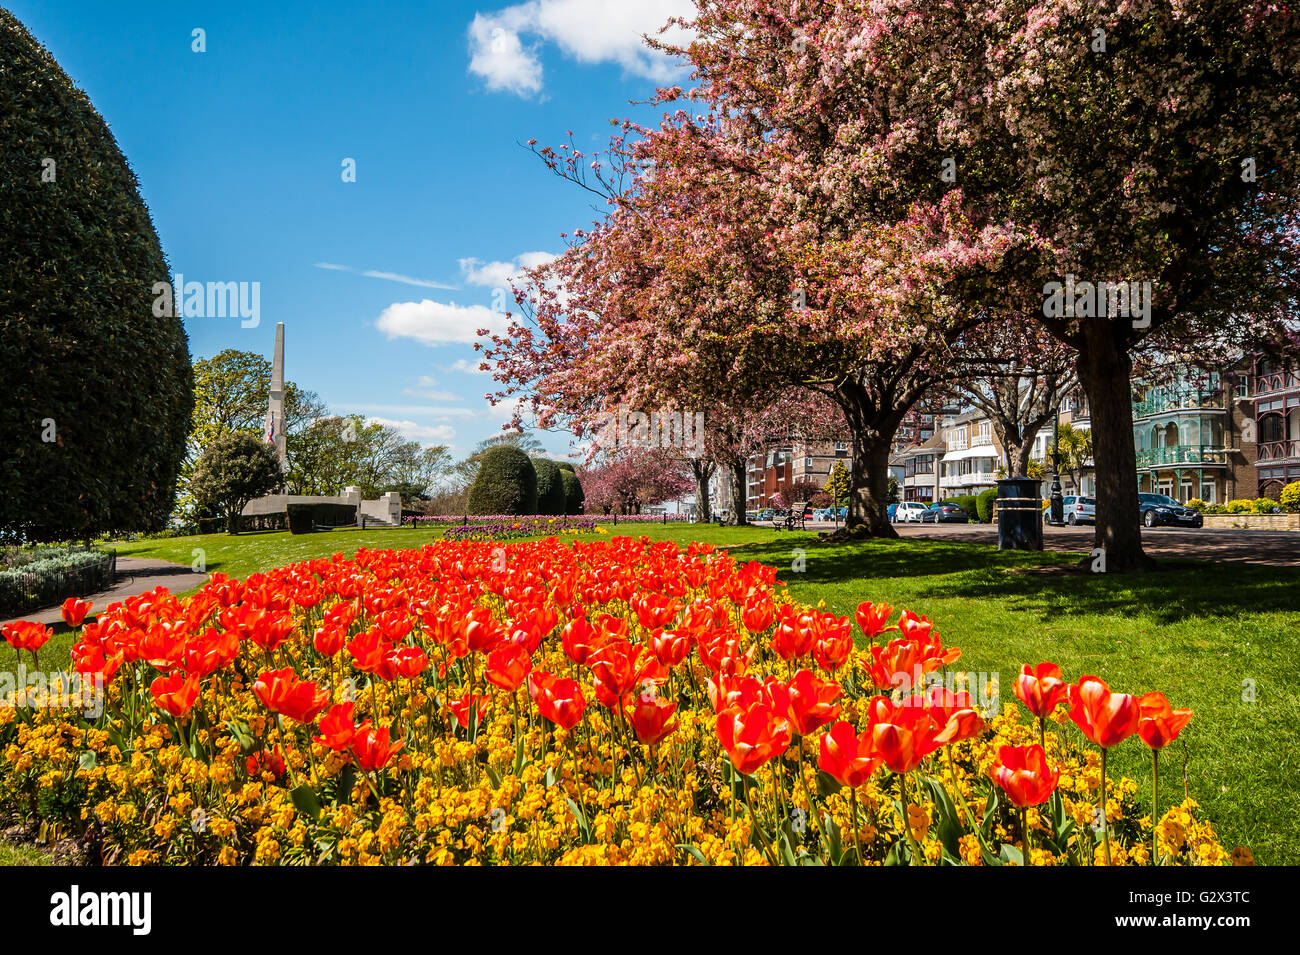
x,y
1020,515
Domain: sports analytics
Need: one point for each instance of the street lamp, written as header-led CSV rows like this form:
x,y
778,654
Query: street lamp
x,y
1057,500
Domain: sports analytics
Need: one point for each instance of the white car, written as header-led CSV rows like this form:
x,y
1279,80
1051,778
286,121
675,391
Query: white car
x,y
909,511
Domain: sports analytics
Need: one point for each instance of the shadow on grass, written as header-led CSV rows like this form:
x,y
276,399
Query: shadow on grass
x,y
1050,584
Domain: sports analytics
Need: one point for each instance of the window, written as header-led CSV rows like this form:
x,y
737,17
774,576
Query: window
x,y
1208,493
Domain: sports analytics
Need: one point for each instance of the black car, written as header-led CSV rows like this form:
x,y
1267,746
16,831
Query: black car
x,y
1157,509
944,513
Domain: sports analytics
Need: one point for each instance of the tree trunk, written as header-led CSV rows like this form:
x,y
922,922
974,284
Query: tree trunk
x,y
1104,370
232,520
872,429
739,491
703,470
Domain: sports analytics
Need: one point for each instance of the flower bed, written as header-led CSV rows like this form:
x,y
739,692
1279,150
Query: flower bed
x,y
498,519
619,701
520,527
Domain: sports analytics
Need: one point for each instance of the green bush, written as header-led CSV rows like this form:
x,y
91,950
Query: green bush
x,y
984,503
574,498
233,470
1263,505
566,466
550,486
506,483
967,503
300,519
1239,506
1290,497
1197,504
49,575
98,389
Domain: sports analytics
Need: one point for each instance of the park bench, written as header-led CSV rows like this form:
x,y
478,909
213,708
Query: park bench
x,y
793,520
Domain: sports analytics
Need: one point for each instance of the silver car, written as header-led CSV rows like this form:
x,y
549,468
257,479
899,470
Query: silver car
x,y
1081,510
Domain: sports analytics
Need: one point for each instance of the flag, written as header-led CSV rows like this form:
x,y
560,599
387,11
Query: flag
x,y
270,427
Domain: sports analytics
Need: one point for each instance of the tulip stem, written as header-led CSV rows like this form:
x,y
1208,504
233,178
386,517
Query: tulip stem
x,y
1155,806
1024,829
857,835
1105,829
917,857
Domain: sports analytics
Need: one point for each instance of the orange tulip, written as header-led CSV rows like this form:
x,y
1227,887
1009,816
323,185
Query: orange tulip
x,y
956,715
26,635
508,666
337,727
460,709
650,717
282,692
74,611
614,667
872,617
175,694
1106,718
670,647
558,700
811,702
903,733
848,757
1159,724
373,749
1041,688
1024,775
751,737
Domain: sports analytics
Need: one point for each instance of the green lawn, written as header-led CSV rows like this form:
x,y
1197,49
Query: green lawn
x,y
1197,632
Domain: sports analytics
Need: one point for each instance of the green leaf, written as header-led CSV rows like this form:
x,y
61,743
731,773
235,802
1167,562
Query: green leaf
x,y
494,776
581,817
949,825
242,734
827,784
1011,853
694,852
87,760
305,798
787,853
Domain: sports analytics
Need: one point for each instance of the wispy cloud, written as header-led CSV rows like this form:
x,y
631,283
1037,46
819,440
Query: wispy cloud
x,y
386,276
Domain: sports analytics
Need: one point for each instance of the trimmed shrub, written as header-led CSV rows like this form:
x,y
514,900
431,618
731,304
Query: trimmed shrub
x,y
984,504
1239,506
550,486
1197,504
566,466
1290,497
967,503
98,389
47,576
574,498
506,483
1263,505
300,519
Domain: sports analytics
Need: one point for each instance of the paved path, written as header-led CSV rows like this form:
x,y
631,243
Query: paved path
x,y
1267,548
135,575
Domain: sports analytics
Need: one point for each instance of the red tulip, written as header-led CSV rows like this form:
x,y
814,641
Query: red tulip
x,y
1041,688
26,635
373,749
752,736
957,717
558,700
282,692
409,661
833,645
614,667
794,635
1106,718
872,617
578,639
848,757
757,614
460,708
74,611
175,694
811,702
1159,724
650,717
265,761
329,640
508,666
670,647
904,733
1024,775
337,727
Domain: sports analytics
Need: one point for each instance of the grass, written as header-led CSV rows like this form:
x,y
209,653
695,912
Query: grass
x,y
1200,633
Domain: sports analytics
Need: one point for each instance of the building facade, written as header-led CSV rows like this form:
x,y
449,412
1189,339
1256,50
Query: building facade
x,y
1276,396
969,464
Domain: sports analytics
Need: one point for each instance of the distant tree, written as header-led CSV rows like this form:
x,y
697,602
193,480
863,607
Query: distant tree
x,y
838,484
1075,448
506,483
233,470
894,493
574,499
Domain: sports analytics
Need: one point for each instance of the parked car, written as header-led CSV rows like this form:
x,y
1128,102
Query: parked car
x,y
907,512
1158,509
944,512
1081,510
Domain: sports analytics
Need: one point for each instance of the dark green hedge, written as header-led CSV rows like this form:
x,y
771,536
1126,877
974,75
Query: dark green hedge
x,y
80,345
574,497
305,518
550,487
506,483
967,503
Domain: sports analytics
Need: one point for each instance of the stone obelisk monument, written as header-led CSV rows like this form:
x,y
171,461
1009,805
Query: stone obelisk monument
x,y
275,406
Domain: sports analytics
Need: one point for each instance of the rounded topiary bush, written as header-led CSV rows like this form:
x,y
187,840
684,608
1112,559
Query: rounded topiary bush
x,y
98,390
566,466
506,483
550,487
1290,497
574,498
984,504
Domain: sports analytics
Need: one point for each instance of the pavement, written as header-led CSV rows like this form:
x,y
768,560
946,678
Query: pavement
x,y
135,575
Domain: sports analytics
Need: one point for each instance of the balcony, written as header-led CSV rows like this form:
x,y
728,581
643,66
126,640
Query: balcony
x,y
1178,401
968,480
1284,450
1178,454
1276,381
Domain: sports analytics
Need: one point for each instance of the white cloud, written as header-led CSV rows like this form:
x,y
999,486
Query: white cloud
x,y
425,434
439,323
589,31
468,367
501,274
433,394
386,276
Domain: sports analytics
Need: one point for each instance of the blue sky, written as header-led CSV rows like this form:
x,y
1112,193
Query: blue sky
x,y
239,152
